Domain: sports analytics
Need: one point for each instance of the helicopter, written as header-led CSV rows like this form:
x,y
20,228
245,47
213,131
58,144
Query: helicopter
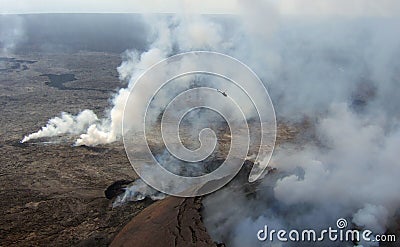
x,y
222,92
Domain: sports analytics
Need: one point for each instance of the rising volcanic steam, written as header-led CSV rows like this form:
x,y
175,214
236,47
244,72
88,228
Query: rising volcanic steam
x,y
136,192
247,99
167,35
65,124
341,75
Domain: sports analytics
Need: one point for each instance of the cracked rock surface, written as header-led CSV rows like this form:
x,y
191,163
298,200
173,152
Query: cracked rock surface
x,y
170,222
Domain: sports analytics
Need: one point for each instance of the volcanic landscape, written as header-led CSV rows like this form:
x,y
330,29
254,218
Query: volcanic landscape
x,y
55,192
51,190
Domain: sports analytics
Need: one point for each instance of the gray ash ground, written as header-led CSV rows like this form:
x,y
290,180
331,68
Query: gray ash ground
x,y
10,64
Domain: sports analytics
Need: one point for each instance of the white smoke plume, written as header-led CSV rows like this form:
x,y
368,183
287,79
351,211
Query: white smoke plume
x,y
128,70
342,75
166,33
353,176
65,124
138,191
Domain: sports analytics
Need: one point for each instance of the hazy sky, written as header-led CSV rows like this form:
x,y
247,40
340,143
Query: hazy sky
x,y
297,7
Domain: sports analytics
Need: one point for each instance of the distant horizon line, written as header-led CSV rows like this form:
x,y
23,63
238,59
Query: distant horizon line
x,y
128,13
289,16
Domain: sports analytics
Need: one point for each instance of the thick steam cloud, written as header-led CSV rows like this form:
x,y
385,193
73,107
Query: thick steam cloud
x,y
341,75
167,33
65,124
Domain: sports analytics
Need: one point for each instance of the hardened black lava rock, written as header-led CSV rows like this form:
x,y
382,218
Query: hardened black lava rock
x,y
116,188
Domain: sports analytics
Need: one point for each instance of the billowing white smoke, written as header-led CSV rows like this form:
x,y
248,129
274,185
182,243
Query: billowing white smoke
x,y
199,34
342,75
65,124
167,32
101,134
354,176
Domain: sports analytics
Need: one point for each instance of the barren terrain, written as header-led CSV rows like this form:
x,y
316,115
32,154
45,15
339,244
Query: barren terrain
x,y
54,193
